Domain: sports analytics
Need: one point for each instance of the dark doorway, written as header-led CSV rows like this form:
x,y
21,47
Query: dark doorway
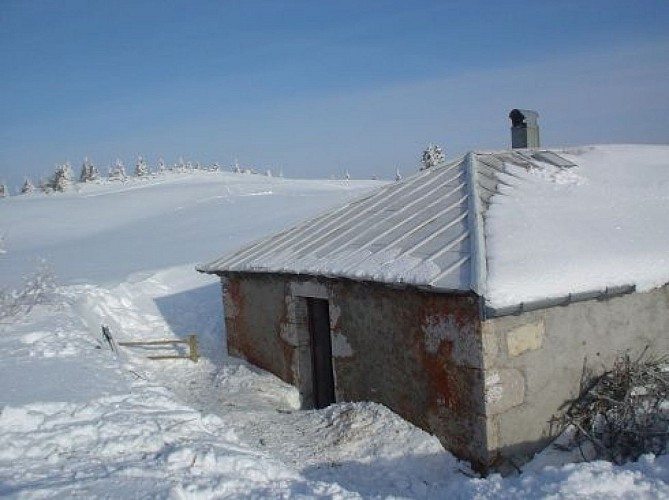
x,y
321,352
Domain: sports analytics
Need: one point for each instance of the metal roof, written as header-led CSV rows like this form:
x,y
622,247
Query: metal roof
x,y
425,230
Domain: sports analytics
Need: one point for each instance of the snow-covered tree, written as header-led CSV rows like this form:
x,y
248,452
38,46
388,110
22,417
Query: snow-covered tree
x,y
398,176
62,177
37,289
161,166
268,173
347,176
117,171
433,156
180,165
4,192
89,172
237,169
27,187
83,176
141,167
43,185
215,167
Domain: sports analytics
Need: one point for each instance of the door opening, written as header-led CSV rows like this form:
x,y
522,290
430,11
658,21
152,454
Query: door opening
x,y
321,352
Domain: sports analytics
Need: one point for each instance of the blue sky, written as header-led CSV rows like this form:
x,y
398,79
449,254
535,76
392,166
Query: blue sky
x,y
320,87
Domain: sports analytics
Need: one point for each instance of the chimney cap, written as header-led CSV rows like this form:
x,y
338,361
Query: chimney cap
x,y
523,118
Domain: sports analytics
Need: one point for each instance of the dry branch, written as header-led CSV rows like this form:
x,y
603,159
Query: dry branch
x,y
624,412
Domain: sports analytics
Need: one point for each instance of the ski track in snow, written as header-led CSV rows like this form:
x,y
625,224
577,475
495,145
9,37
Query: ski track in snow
x,y
79,420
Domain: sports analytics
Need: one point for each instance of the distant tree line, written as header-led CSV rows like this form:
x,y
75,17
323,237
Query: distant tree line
x,y
63,177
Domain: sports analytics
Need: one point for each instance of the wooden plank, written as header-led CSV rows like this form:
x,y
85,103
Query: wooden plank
x,y
191,342
152,342
169,356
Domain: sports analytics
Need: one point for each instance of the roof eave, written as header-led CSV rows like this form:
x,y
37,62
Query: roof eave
x,y
391,284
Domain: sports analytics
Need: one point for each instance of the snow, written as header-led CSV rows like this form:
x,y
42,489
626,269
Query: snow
x,y
600,224
78,419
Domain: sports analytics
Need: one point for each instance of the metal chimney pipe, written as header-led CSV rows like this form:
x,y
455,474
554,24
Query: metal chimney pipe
x,y
524,129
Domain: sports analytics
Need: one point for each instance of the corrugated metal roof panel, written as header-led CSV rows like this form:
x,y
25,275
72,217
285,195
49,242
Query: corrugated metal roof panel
x,y
552,158
426,230
388,236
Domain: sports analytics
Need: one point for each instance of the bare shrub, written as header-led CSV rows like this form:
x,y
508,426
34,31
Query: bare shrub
x,y
37,289
622,413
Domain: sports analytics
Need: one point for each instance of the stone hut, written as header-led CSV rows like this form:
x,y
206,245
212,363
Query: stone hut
x,y
467,297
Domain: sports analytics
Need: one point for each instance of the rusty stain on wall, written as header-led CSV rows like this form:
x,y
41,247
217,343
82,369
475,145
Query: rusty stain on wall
x,y
405,349
485,388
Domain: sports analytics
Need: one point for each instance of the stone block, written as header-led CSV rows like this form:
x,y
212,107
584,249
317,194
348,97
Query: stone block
x,y
528,337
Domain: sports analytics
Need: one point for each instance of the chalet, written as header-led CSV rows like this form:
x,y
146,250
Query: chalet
x,y
467,297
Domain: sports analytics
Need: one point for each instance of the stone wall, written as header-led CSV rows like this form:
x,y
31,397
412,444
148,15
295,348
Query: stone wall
x,y
254,310
418,353
534,361
486,389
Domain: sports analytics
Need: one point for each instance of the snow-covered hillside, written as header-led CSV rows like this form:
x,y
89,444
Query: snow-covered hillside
x,y
78,419
103,232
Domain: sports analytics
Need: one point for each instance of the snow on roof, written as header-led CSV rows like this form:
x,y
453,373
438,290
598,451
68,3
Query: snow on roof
x,y
512,226
560,231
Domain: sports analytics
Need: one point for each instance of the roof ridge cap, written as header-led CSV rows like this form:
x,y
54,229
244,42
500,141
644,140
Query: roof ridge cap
x,y
479,270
